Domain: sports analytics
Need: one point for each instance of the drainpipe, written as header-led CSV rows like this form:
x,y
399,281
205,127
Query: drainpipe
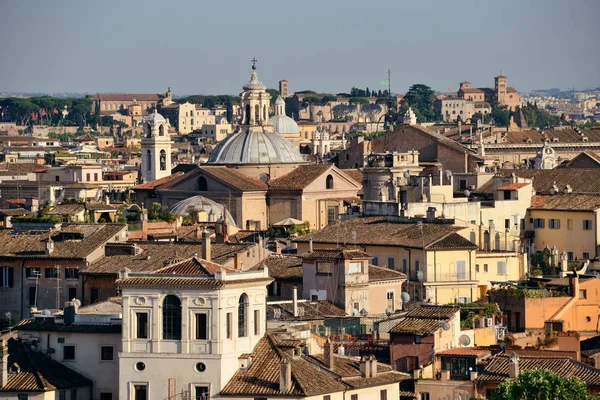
x,y
23,286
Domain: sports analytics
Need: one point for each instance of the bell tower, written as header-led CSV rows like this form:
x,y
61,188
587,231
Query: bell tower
x,y
156,148
255,101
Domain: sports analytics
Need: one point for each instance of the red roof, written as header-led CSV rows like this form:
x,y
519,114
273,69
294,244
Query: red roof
x,y
158,182
513,186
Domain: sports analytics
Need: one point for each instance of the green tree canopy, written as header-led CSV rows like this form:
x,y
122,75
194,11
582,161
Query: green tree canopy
x,y
501,116
359,100
421,98
542,385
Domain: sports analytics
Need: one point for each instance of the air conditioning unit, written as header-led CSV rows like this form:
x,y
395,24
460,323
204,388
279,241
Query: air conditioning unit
x,y
489,322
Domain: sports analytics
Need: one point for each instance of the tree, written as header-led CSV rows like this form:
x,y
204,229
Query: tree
x,y
501,116
421,98
229,111
274,93
542,385
368,92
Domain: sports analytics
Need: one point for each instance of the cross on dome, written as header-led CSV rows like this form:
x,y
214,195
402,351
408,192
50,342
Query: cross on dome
x,y
254,60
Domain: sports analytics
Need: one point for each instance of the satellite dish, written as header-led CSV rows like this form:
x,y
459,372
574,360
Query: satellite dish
x,y
446,326
77,303
464,340
406,174
467,193
405,297
355,312
364,313
46,313
388,312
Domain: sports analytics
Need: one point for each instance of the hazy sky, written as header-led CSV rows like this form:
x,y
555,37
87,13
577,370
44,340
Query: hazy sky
x,y
202,46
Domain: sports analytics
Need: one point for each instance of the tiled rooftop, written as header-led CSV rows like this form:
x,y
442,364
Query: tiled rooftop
x,y
566,202
49,325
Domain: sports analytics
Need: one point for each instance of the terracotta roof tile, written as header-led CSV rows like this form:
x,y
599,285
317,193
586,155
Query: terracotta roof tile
x,y
284,267
300,177
566,202
513,186
377,274
379,231
192,266
563,135
433,312
417,326
335,254
235,178
498,368
311,310
50,326
478,352
452,241
39,373
157,182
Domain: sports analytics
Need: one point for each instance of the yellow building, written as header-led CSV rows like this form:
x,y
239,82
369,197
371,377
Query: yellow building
x,y
441,265
568,221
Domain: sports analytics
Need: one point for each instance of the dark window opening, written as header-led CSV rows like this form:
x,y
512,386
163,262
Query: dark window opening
x,y
171,318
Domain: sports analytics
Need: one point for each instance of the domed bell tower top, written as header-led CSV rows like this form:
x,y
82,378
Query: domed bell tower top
x,y
255,101
156,148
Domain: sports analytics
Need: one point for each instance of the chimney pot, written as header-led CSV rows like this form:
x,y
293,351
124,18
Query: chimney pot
x,y
285,375
206,248
3,362
513,366
295,301
310,245
328,354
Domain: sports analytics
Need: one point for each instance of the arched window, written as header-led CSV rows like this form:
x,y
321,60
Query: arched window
x,y
149,133
243,316
202,184
161,130
149,160
247,119
329,182
265,113
163,160
256,114
171,315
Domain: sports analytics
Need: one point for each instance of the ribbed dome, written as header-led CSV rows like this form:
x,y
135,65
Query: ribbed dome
x,y
155,118
254,83
284,124
255,147
213,209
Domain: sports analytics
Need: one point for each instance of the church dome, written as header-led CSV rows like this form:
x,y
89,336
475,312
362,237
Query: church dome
x,y
155,118
247,147
284,124
254,83
214,210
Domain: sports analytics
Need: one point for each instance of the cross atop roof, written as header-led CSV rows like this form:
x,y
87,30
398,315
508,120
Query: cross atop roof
x,y
254,60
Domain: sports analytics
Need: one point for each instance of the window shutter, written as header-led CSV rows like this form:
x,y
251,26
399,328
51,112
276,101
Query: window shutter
x,y
11,276
461,270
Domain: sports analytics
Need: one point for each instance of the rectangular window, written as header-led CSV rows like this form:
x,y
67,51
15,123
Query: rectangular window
x,y
201,326
375,260
327,397
476,267
586,255
583,294
355,268
107,353
68,352
94,294
461,270
417,267
73,394
507,223
404,265
7,277
391,263
485,268
32,295
96,176
105,396
72,293
569,224
140,392
32,272
24,396
57,178
383,394
229,324
538,222
425,396
570,256
141,325
324,268
354,397
71,273
554,223
87,177
501,266
256,322
201,393
62,395
390,300
51,272
587,224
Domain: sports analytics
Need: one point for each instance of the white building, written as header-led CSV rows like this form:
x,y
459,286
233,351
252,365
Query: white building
x,y
183,333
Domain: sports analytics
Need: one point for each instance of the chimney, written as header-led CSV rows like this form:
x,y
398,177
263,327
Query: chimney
x,y
106,200
373,365
199,232
473,375
206,245
69,312
445,375
328,354
574,284
430,213
49,247
295,301
341,350
285,375
365,367
310,246
4,364
564,264
513,366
